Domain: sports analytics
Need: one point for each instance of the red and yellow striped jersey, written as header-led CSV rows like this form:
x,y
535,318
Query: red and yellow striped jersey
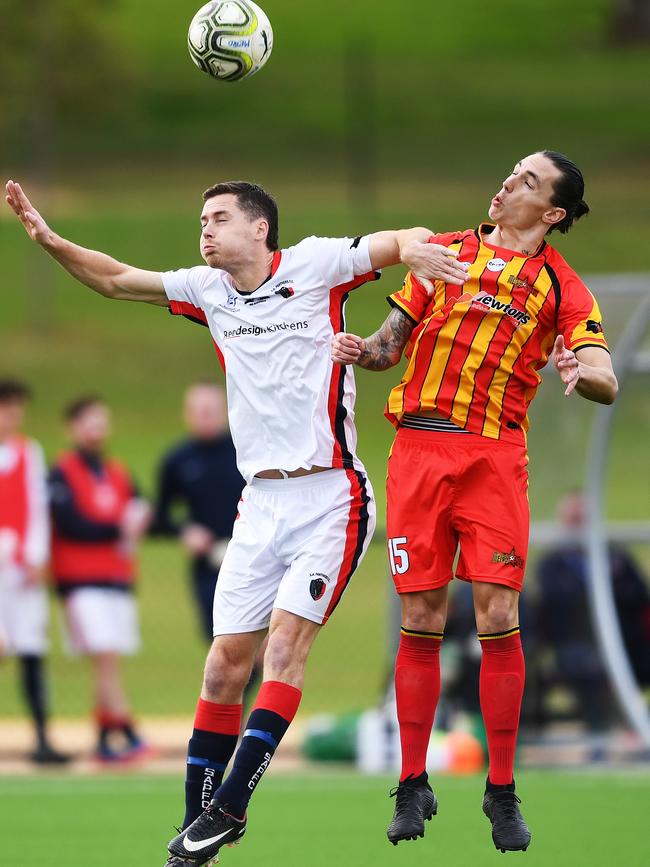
x,y
476,351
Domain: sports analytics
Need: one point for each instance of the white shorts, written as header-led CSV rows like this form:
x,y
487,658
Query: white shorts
x,y
295,545
102,620
23,614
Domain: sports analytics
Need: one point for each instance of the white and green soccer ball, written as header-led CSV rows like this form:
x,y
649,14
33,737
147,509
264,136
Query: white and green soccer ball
x,y
230,39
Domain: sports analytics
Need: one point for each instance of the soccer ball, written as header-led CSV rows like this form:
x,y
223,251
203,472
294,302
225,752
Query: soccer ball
x,y
230,39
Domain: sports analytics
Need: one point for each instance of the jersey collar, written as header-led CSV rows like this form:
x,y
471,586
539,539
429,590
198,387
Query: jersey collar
x,y
485,229
275,264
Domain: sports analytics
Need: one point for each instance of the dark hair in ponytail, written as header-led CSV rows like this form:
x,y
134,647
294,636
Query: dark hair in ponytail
x,y
568,191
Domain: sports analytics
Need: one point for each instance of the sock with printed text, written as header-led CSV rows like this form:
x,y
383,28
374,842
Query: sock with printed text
x,y
274,709
213,742
417,690
501,688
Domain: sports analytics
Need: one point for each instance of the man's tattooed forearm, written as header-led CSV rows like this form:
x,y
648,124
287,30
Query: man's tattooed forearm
x,y
384,348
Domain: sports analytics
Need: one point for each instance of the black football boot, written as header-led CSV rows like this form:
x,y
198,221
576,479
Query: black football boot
x,y
509,831
200,842
415,803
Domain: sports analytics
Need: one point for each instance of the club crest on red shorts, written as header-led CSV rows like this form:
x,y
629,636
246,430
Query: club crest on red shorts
x,y
510,559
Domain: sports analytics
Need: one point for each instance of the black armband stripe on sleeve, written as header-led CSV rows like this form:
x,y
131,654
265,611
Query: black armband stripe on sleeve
x,y
555,283
591,346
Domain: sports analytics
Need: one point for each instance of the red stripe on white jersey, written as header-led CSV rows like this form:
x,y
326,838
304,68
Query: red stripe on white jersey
x,y
183,308
196,314
355,537
222,360
338,296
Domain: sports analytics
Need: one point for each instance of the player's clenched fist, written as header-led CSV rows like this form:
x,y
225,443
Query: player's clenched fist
x,y
347,348
34,224
566,364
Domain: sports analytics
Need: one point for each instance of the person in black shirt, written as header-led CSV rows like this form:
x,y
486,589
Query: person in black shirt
x,y
201,474
564,618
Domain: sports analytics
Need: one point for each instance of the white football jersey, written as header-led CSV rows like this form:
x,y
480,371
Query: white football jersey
x,y
289,405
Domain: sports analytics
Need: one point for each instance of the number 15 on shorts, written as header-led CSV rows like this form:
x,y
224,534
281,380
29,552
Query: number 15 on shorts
x,y
398,555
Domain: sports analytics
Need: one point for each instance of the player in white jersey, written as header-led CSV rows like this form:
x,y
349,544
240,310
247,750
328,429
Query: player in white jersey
x,y
24,553
307,512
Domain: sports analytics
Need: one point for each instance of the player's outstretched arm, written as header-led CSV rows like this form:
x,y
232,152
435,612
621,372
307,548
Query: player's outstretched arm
x,y
589,371
381,350
99,272
410,247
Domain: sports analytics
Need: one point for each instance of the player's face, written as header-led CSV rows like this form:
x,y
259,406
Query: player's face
x,y
524,200
12,415
228,236
205,412
91,429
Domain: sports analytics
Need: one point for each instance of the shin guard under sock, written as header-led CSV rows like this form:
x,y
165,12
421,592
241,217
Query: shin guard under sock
x,y
213,742
501,687
274,709
417,690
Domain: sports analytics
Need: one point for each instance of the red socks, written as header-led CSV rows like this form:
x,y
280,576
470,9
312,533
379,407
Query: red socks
x,y
501,687
417,690
274,709
223,719
213,742
106,719
281,698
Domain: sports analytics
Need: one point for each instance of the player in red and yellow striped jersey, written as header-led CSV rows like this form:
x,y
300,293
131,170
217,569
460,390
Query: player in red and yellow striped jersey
x,y
457,474
476,355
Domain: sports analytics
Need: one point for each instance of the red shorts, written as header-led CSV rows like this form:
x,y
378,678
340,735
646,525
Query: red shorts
x,y
451,489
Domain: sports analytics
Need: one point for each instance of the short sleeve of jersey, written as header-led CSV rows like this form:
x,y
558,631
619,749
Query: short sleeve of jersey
x,y
446,238
184,289
579,318
339,260
413,299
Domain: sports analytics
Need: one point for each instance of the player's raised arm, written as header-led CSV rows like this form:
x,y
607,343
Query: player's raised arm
x,y
588,370
98,271
410,247
381,350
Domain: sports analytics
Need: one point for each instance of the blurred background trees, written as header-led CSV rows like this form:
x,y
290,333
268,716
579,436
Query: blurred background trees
x,y
63,65
632,20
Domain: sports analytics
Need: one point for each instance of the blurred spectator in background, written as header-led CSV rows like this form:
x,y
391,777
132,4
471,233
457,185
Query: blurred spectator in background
x,y
200,474
98,519
24,552
565,628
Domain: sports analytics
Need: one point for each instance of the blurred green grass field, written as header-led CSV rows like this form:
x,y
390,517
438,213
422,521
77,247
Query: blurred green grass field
x,y
577,820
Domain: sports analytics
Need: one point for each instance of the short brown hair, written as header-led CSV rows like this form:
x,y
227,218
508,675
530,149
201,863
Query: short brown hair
x,y
254,201
78,407
14,390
